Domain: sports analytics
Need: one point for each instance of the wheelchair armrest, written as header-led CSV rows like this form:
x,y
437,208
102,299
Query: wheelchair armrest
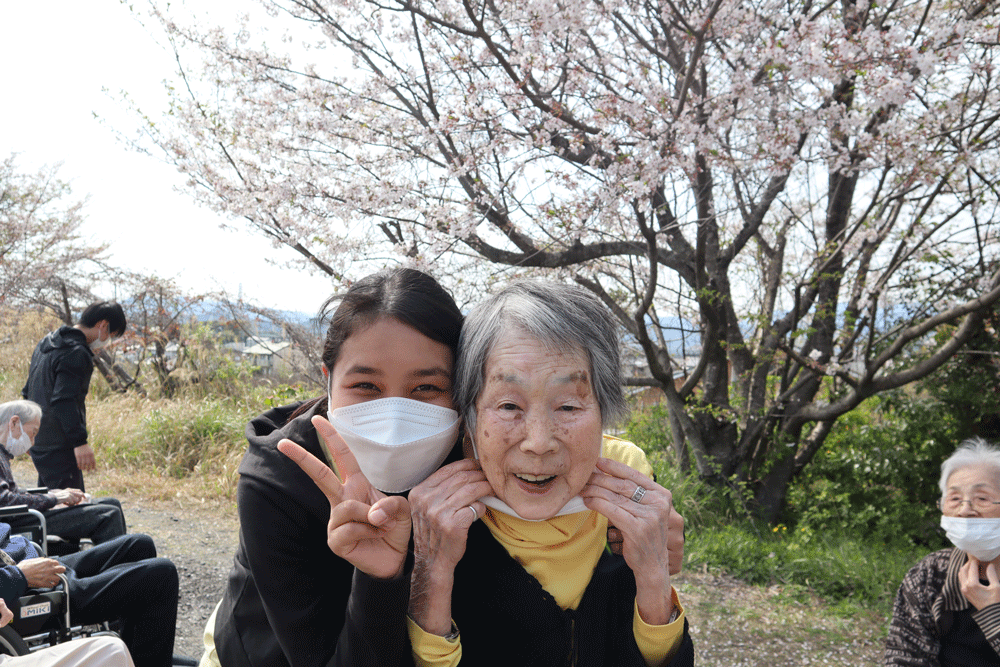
x,y
37,528
13,510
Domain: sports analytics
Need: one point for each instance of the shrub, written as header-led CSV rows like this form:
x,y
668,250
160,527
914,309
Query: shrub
x,y
876,477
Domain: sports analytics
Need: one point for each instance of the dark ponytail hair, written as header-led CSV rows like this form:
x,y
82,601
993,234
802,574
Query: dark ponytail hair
x,y
410,296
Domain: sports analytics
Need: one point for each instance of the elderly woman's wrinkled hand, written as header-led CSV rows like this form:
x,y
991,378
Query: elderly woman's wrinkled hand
x,y
441,515
642,510
368,529
676,541
444,507
979,596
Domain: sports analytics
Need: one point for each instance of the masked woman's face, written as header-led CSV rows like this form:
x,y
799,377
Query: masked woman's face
x,y
389,359
972,492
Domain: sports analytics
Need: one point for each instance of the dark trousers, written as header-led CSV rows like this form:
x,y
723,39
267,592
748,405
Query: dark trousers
x,y
57,468
101,521
122,579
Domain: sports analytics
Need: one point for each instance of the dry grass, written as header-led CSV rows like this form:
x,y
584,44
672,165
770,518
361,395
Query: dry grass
x,y
187,446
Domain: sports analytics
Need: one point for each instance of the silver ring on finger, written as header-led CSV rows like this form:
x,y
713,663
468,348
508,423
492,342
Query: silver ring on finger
x,y
475,514
639,493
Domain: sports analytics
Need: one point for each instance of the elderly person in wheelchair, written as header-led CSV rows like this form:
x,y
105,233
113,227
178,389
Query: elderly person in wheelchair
x,y
119,580
69,513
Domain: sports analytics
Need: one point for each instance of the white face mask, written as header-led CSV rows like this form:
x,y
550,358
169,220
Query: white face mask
x,y
975,536
99,342
398,442
573,506
17,446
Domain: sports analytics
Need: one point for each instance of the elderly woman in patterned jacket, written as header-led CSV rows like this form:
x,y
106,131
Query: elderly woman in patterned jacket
x,y
947,611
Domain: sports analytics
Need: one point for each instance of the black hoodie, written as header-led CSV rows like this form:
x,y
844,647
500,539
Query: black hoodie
x,y
289,600
58,380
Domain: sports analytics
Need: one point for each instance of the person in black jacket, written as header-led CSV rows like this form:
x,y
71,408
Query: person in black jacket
x,y
291,600
58,381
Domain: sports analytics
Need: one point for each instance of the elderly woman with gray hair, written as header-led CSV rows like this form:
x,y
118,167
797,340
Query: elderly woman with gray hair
x,y
537,379
947,611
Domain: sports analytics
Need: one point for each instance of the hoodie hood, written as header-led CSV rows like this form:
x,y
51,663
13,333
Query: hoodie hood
x,y
263,462
63,338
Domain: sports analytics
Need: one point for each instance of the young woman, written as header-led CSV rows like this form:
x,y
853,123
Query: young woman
x,y
291,599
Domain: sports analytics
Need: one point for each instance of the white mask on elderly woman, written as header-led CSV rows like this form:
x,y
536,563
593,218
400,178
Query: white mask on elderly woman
x,y
975,536
573,506
17,446
398,442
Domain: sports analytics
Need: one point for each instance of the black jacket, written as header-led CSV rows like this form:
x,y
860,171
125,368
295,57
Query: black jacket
x,y
289,600
58,380
506,618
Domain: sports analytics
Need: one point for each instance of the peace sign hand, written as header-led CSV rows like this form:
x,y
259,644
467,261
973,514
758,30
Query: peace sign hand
x,y
368,529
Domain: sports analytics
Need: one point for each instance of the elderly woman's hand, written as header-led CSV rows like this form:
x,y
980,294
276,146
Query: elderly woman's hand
x,y
646,527
978,595
676,541
441,520
368,529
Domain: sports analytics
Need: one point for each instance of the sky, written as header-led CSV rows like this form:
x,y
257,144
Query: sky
x,y
59,57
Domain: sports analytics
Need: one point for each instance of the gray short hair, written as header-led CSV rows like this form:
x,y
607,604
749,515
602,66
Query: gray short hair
x,y
972,453
26,411
565,317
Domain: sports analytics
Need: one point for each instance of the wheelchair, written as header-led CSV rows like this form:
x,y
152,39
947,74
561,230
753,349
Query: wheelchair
x,y
41,617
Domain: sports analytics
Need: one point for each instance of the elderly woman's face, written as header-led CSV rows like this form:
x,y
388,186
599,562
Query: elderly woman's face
x,y
538,429
972,492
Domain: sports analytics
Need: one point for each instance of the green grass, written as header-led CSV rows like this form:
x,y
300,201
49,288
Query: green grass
x,y
847,572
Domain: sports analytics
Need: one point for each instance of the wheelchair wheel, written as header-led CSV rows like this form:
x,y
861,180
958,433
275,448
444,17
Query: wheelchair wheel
x,y
11,642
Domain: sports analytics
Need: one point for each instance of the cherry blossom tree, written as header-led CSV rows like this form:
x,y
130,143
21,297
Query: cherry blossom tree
x,y
44,259
809,188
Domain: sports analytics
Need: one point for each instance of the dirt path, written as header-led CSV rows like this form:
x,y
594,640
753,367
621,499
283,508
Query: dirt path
x,y
201,542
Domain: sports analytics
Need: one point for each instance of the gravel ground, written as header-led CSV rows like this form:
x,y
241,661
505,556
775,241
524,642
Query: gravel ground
x,y
201,542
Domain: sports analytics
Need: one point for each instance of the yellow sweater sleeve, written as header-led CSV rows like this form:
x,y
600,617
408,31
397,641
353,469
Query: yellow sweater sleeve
x,y
433,650
657,643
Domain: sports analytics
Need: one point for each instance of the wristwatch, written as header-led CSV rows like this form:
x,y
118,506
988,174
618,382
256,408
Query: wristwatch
x,y
453,635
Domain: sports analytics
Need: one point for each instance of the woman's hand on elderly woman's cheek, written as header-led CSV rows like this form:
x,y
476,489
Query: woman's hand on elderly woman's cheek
x,y
368,529
646,531
978,595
